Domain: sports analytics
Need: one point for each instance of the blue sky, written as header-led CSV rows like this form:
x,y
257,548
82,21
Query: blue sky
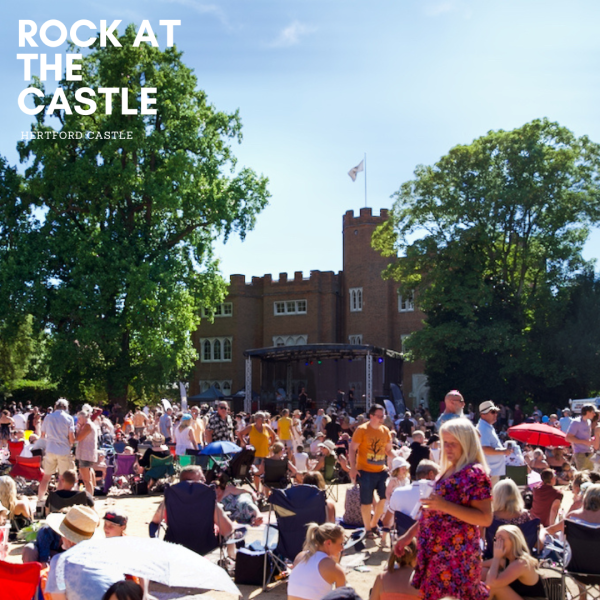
x,y
320,83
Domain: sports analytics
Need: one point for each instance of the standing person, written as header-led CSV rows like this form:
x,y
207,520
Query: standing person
x,y
261,437
493,449
565,421
418,451
58,428
184,436
351,400
518,416
6,423
370,445
165,424
302,398
284,429
197,426
453,408
220,425
449,555
86,452
579,435
316,569
140,420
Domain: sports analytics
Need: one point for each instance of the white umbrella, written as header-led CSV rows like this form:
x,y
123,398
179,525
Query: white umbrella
x,y
149,558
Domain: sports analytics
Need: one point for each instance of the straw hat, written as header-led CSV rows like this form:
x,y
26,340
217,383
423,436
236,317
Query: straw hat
x,y
78,525
157,439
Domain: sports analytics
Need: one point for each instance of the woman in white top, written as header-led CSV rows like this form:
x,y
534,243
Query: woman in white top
x,y
184,436
316,569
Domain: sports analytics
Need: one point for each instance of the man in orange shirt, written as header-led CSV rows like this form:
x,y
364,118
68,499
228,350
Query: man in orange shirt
x,y
370,445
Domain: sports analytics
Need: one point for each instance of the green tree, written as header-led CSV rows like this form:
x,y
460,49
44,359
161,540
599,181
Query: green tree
x,y
122,230
489,238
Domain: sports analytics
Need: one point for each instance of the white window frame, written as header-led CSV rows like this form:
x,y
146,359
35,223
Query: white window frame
x,y
403,338
290,340
225,309
290,307
406,303
356,299
223,344
355,339
224,385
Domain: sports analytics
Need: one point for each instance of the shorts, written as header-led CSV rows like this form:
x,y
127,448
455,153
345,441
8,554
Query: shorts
x,y
139,431
258,460
86,464
57,462
371,482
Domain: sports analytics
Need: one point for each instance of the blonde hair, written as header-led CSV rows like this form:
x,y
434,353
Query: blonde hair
x,y
277,448
506,497
468,438
8,493
591,498
520,548
317,535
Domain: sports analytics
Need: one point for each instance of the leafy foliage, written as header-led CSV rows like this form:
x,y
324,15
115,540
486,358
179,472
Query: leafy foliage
x,y
120,231
490,237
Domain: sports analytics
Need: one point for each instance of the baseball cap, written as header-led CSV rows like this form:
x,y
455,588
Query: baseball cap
x,y
116,517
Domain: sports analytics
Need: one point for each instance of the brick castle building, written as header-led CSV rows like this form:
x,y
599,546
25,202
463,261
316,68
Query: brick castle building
x,y
354,306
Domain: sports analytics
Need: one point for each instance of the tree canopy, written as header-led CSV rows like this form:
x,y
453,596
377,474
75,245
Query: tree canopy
x,y
490,238
117,233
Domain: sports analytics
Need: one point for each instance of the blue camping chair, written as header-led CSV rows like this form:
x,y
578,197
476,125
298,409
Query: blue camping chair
x,y
295,508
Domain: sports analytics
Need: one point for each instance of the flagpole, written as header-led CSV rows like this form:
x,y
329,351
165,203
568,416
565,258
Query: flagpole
x,y
365,180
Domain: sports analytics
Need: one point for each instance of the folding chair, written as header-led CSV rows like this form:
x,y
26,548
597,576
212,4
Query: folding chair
x,y
190,508
584,565
240,466
124,466
518,475
19,581
402,522
28,468
56,503
330,476
294,508
160,468
15,449
276,475
529,529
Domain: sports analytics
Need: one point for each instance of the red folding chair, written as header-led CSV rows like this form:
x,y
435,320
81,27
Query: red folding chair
x,y
28,468
19,581
15,449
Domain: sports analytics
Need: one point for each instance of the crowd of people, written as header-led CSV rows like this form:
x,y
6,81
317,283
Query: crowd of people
x,y
434,492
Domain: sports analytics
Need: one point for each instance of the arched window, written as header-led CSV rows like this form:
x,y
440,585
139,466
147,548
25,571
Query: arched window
x,y
217,385
226,388
290,341
227,349
300,340
217,350
207,350
278,342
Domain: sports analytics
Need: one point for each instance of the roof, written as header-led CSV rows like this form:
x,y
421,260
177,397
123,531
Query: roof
x,y
320,352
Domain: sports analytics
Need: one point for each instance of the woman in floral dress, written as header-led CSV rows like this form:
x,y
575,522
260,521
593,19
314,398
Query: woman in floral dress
x,y
449,556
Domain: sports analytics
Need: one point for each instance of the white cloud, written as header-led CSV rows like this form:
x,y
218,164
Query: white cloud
x,y
290,35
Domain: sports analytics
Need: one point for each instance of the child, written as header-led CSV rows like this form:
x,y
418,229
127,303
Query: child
x,y
395,582
399,478
566,474
300,459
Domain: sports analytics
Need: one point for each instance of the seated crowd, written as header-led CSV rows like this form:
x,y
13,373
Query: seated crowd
x,y
436,494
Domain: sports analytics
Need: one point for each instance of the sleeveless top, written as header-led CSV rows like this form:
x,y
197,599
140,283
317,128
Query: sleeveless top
x,y
305,580
260,441
530,591
87,448
182,441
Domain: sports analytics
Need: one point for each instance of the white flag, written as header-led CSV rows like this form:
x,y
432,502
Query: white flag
x,y
184,402
357,169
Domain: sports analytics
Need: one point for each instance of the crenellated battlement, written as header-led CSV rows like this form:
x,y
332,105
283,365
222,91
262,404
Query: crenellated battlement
x,y
365,217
